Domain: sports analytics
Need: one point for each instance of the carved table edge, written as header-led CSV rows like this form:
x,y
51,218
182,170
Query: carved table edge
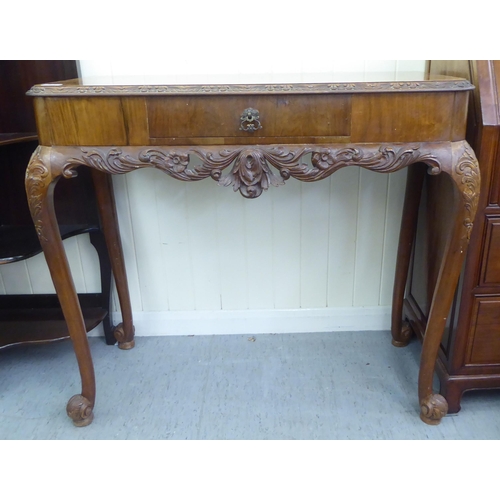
x,y
60,89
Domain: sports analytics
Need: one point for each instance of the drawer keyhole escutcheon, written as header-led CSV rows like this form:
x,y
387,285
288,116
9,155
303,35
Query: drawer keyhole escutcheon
x,y
250,120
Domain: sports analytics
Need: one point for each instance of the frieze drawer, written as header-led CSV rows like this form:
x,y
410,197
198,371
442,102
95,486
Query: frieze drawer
x,y
187,119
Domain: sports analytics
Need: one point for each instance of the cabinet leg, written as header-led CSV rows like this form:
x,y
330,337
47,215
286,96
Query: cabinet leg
x,y
401,331
124,332
40,183
464,172
453,393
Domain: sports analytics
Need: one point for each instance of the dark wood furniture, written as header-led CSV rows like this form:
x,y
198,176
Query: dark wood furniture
x,y
38,317
469,356
250,137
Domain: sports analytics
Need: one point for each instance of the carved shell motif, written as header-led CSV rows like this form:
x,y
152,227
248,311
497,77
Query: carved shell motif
x,y
251,174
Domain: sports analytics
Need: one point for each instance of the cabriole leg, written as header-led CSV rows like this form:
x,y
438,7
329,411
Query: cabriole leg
x,y
464,172
40,183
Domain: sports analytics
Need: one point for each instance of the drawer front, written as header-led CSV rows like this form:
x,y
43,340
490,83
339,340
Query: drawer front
x,y
183,119
490,266
484,341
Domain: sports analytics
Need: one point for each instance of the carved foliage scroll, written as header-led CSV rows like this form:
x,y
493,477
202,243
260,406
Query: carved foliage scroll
x,y
115,161
250,167
467,174
326,161
36,181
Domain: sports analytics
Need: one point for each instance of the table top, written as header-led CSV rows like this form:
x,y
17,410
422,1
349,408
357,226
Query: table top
x,y
291,84
419,108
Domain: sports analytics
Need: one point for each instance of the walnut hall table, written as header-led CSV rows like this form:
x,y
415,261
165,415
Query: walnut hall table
x,y
250,137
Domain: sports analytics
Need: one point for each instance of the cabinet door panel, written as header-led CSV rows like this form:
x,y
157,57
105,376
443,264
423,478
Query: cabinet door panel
x,y
484,343
490,274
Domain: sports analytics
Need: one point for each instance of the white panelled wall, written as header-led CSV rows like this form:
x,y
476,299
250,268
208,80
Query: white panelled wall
x,y
202,259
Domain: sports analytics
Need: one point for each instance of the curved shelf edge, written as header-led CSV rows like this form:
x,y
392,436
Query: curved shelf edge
x,y
21,242
38,326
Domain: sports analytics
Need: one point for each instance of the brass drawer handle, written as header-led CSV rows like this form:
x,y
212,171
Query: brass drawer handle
x,y
250,120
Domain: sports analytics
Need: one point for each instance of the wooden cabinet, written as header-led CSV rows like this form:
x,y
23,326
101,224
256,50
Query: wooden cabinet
x,y
28,318
470,352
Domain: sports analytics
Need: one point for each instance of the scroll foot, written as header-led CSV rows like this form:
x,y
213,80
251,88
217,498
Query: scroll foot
x,y
404,337
79,409
123,342
433,408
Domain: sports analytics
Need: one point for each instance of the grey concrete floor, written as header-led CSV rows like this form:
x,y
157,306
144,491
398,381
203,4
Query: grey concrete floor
x,y
314,386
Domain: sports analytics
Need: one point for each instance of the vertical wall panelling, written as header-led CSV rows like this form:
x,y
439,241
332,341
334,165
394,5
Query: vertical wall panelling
x,y
343,208
258,222
32,275
232,241
40,275
346,70
148,237
89,262
314,229
16,278
128,242
175,266
379,69
2,286
411,66
75,263
370,237
395,198
202,246
100,68
286,269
